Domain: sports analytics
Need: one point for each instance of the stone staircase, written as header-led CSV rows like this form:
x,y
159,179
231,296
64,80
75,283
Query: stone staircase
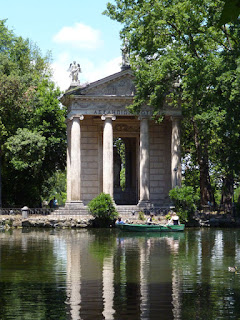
x,y
123,210
128,210
63,211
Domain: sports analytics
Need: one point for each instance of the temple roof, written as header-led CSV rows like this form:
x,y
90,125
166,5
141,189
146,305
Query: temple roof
x,y
118,84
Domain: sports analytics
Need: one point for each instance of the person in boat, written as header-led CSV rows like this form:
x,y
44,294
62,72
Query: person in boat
x,y
150,219
120,221
174,219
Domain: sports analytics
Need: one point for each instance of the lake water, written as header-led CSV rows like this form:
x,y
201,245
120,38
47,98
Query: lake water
x,y
105,274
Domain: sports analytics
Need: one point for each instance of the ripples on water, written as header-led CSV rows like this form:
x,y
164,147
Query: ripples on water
x,y
103,274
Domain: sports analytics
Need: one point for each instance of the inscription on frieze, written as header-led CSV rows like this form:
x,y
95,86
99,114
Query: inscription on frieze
x,y
97,108
118,112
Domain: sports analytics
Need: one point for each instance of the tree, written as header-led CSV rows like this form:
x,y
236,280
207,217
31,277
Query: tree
x,y
230,12
180,54
32,128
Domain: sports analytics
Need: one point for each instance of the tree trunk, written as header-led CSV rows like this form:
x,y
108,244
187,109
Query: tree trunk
x,y
0,178
206,192
227,193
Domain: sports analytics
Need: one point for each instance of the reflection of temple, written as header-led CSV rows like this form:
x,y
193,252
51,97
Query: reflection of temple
x,y
80,274
132,282
125,278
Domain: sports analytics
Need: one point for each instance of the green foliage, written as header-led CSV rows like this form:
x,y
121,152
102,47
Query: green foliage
x,y
185,201
26,150
141,215
123,178
231,11
102,208
103,245
32,127
55,186
119,143
168,216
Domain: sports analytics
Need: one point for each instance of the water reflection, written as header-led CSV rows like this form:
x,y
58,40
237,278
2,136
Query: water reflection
x,y
104,274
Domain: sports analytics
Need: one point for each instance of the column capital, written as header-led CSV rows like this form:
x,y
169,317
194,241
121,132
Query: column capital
x,y
175,118
78,116
144,117
108,116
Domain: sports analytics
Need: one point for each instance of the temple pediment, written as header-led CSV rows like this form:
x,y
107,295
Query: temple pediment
x,y
110,95
118,84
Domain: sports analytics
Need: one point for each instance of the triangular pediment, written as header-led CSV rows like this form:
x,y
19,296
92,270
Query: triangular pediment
x,y
118,84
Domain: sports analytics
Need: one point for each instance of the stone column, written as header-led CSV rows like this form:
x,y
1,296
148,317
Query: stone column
x,y
144,278
176,171
144,177
108,288
76,161
73,285
108,175
69,125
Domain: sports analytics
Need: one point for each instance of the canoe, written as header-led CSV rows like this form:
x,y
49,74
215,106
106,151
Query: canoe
x,y
150,227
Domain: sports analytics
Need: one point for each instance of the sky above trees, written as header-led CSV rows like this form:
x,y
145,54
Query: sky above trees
x,y
72,31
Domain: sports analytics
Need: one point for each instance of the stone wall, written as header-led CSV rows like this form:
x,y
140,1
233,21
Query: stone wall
x,y
90,160
160,162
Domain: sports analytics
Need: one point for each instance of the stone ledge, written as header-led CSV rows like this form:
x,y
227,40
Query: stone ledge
x,y
50,221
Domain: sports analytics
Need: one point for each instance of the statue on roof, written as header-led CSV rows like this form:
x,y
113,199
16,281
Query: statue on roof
x,y
74,70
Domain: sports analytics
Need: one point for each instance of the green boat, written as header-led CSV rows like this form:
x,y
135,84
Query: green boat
x,y
150,227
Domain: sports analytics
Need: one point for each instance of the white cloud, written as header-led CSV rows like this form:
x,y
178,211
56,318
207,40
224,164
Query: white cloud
x,y
90,71
79,36
60,73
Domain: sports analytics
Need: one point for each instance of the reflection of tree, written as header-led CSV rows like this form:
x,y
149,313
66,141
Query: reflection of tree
x,y
103,244
28,279
207,291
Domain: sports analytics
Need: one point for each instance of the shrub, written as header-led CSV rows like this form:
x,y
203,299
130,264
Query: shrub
x,y
103,209
185,201
141,215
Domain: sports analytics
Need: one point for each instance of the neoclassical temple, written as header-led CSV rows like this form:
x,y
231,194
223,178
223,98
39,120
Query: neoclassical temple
x,y
131,157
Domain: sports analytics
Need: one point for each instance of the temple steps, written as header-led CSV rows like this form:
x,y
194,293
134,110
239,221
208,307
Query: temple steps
x,y
127,210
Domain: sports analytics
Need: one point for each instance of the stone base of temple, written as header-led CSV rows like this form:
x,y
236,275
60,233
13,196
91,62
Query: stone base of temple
x,y
74,205
72,208
130,210
144,204
126,211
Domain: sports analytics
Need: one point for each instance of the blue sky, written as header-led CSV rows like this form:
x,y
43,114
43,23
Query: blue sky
x,y
72,30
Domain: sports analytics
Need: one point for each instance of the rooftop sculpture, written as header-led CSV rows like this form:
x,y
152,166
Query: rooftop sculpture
x,y
74,70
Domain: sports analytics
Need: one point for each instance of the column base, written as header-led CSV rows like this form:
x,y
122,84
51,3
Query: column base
x,y
74,205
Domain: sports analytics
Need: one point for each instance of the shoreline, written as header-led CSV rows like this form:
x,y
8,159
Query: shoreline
x,y
87,221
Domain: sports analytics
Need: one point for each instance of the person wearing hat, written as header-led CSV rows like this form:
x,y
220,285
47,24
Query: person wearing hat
x,y
174,219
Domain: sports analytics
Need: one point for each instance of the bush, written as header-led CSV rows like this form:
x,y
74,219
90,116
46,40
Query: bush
x,y
103,209
185,201
141,215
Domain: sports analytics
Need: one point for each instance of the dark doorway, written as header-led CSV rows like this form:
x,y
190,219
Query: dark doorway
x,y
125,173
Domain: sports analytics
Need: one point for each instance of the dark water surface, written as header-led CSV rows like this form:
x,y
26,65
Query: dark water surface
x,y
104,274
